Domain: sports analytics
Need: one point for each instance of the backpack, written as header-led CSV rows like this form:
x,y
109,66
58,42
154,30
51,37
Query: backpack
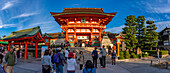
x,y
90,70
95,53
56,58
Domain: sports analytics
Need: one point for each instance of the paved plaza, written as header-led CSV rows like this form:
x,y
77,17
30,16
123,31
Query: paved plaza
x,y
139,66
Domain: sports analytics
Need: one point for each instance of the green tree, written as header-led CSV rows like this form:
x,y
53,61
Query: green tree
x,y
4,36
141,31
130,31
151,35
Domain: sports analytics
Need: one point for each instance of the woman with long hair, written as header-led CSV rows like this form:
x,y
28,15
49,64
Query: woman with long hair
x,y
89,67
46,62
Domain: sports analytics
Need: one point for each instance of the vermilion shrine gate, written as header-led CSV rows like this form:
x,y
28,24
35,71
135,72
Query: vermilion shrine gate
x,y
31,36
83,23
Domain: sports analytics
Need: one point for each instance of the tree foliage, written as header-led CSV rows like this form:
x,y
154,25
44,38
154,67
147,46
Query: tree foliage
x,y
151,35
141,31
130,31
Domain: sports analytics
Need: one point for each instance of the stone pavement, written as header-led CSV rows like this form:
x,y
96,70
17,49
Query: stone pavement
x,y
35,67
140,66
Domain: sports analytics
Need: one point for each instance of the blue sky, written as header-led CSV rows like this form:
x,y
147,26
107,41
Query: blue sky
x,y
21,14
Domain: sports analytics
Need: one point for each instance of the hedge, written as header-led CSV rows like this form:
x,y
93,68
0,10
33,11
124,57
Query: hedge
x,y
161,52
133,55
127,55
121,55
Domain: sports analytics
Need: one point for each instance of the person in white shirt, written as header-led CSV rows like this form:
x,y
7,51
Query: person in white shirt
x,y
66,54
100,57
71,63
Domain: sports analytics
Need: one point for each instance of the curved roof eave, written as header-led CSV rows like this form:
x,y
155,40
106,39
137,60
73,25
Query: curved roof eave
x,y
107,14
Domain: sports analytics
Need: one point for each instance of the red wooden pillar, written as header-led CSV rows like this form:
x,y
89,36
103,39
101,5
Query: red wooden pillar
x,y
9,46
19,47
99,36
48,46
25,50
118,49
36,50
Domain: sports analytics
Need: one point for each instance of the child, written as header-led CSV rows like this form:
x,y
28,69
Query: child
x,y
89,67
113,57
81,59
100,57
71,63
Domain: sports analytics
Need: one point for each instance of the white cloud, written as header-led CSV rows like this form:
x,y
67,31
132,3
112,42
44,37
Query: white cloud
x,y
115,29
167,17
162,25
157,6
24,15
7,5
75,4
151,19
39,23
5,25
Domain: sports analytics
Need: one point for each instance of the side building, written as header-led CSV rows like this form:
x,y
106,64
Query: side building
x,y
164,38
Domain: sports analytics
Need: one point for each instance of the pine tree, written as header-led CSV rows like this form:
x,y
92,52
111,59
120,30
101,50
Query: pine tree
x,y
130,31
151,35
141,31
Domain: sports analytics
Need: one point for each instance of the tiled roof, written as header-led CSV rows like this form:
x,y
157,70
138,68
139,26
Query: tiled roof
x,y
95,10
23,33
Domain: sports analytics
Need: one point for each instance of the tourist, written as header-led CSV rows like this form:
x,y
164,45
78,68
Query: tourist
x,y
58,59
113,54
109,50
157,50
74,52
15,56
10,58
71,63
69,47
100,57
3,60
89,67
85,43
54,65
50,52
104,56
20,54
95,56
62,46
81,59
46,62
2,70
1,57
66,54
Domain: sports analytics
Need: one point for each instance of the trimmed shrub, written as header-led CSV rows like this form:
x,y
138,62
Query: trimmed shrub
x,y
163,52
133,55
127,55
154,52
121,55
140,55
145,54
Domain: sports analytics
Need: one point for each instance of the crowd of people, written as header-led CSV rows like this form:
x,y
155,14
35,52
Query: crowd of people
x,y
7,60
54,61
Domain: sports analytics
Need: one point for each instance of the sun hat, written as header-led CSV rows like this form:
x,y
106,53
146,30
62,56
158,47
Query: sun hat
x,y
71,55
